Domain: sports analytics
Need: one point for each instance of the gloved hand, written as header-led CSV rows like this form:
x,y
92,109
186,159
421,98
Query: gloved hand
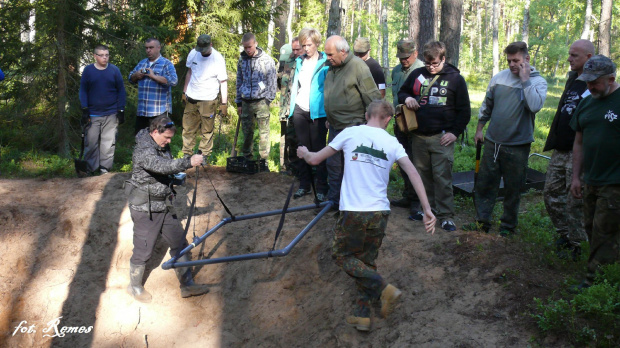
x,y
120,115
184,98
224,110
85,117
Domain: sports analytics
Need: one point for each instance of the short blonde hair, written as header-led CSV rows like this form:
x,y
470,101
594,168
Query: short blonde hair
x,y
309,33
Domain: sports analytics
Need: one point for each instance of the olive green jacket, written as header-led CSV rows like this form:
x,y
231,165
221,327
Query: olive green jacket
x,y
349,88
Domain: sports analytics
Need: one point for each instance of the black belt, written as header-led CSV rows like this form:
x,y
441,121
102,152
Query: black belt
x,y
426,133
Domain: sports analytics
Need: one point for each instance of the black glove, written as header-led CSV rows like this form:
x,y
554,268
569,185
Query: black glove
x,y
120,115
85,117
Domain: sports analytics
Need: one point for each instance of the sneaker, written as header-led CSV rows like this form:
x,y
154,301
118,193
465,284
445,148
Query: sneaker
x,y
301,192
389,297
103,171
476,226
418,216
448,225
360,323
321,197
401,203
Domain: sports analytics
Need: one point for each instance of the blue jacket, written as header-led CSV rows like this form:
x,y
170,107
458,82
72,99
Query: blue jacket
x,y
317,103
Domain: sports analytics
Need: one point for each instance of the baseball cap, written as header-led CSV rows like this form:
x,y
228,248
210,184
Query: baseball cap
x,y
203,44
361,45
285,51
596,67
405,48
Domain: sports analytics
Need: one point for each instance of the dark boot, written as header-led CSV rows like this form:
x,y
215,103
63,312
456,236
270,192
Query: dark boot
x,y
188,287
135,287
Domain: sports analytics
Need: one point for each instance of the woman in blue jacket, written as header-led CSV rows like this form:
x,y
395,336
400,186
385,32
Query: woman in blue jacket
x,y
308,112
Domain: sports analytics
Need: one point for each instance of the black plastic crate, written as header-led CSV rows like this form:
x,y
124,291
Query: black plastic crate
x,y
241,164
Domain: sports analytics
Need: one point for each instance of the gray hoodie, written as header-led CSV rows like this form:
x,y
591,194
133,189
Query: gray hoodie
x,y
511,106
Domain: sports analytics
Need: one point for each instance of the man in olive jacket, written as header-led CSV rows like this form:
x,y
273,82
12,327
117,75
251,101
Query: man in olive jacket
x,y
349,89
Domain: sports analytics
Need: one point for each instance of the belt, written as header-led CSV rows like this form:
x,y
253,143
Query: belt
x,y
251,100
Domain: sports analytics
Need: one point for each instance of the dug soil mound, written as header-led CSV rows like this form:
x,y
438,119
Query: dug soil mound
x,y
66,244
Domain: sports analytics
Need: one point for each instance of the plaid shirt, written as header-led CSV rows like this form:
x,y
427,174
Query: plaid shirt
x,y
154,98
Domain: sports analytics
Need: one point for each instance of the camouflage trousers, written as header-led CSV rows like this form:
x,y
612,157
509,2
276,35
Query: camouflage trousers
x,y
565,211
199,118
602,223
357,239
255,110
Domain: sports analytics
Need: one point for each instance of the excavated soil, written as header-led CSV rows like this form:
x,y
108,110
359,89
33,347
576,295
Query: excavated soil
x,y
66,243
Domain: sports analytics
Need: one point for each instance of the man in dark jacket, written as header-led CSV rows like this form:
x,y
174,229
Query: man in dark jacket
x,y
438,93
150,205
565,211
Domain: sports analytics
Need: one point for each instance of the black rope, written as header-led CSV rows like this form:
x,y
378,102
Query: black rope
x,y
218,196
192,206
288,200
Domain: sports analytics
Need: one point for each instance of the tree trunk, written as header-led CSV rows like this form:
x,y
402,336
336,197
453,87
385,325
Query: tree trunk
x,y
61,103
384,19
271,27
414,23
585,33
495,37
450,33
604,28
289,21
526,22
427,24
333,24
479,27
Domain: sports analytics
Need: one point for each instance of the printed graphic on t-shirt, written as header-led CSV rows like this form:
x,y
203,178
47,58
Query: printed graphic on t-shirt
x,y
610,116
571,102
437,95
370,155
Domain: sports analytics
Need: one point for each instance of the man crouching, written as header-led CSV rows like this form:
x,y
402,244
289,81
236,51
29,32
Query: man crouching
x,y
369,152
150,203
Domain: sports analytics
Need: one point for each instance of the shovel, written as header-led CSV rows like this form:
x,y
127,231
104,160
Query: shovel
x,y
234,149
478,151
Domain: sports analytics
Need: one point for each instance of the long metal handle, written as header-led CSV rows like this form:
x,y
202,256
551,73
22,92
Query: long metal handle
x,y
233,153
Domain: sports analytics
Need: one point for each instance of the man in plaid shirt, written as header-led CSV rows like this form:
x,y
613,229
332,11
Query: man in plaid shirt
x,y
155,75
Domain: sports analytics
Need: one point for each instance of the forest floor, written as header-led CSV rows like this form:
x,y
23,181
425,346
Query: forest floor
x,y
66,244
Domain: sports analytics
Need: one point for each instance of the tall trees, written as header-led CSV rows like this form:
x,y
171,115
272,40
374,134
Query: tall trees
x,y
414,21
450,33
428,23
525,37
333,24
495,21
604,28
587,20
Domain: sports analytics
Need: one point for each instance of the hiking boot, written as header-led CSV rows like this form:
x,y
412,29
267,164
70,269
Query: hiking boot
x,y
577,289
417,216
301,192
504,232
448,225
188,287
360,323
476,226
321,197
389,297
135,287
401,203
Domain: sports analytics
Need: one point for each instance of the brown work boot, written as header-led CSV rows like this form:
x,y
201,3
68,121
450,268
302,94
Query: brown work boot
x,y
389,297
360,323
188,287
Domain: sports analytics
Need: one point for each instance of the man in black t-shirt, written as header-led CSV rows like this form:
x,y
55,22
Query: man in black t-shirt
x,y
362,50
566,211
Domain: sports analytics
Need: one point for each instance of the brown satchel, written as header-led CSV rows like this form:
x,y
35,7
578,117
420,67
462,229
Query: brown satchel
x,y
406,119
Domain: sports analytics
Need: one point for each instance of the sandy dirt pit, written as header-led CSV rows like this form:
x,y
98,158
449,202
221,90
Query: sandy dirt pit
x,y
66,244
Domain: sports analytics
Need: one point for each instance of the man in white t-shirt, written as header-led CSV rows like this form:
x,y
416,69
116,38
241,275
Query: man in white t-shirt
x,y
206,78
369,153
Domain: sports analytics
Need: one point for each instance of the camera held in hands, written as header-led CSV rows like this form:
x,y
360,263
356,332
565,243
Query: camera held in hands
x,y
144,71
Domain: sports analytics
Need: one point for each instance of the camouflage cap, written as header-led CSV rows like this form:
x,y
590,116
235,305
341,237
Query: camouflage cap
x,y
596,67
285,52
203,44
361,45
405,48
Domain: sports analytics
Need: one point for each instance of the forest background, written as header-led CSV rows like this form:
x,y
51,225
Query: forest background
x,y
44,45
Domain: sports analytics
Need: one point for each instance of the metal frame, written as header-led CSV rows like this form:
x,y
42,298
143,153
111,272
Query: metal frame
x,y
172,263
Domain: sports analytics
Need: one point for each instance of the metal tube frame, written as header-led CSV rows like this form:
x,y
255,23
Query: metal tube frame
x,y
172,263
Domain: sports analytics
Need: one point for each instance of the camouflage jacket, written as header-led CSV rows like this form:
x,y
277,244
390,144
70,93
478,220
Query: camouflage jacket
x,y
153,167
285,77
256,77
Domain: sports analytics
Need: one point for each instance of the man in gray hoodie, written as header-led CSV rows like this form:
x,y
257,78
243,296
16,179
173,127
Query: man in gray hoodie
x,y
513,98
